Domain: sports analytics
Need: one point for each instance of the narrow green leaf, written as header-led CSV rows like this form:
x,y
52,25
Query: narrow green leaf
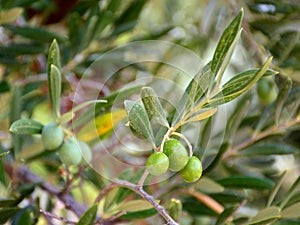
x,y
153,106
236,117
55,89
8,213
269,149
291,192
201,116
138,120
26,126
205,135
134,205
208,185
276,189
238,85
291,212
194,92
223,217
246,182
37,34
139,214
282,95
89,216
53,57
23,217
9,202
226,46
266,216
22,49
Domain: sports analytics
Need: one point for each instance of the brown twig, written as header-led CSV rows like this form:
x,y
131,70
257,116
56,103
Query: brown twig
x,y
140,191
48,214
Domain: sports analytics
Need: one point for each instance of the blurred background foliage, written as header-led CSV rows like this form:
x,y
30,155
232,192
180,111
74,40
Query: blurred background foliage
x,y
242,182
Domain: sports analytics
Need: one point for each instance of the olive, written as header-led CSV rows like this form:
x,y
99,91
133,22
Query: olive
x,y
177,154
157,163
69,152
192,171
52,136
266,90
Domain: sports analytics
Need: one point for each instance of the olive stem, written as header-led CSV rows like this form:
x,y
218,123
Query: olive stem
x,y
143,178
186,140
166,136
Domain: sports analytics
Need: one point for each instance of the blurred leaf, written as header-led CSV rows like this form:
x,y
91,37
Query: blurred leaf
x,y
26,126
7,213
9,202
268,149
138,120
291,212
139,214
195,208
104,124
153,106
10,15
286,222
174,208
128,19
22,217
89,216
281,97
37,34
208,185
205,135
266,216
224,216
236,117
201,116
17,49
246,182
55,88
134,205
226,46
276,189
3,154
229,197
4,86
238,85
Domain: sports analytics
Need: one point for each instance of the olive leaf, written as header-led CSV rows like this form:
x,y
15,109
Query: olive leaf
x,y
201,116
26,126
55,89
266,216
226,46
153,106
138,120
89,216
282,95
238,85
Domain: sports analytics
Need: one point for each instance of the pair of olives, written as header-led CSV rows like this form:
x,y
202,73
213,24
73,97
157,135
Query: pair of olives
x,y
71,151
175,157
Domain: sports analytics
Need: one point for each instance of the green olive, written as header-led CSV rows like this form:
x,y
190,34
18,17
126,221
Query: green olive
x,y
52,136
157,163
85,152
69,152
266,90
177,154
192,171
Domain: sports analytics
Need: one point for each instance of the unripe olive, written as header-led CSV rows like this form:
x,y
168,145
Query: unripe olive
x,y
177,154
85,152
52,136
192,171
157,163
69,152
266,90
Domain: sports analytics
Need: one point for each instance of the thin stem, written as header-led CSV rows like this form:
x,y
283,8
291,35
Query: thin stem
x,y
48,214
257,137
166,137
186,140
143,178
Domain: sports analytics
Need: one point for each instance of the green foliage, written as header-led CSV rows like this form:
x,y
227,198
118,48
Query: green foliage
x,y
186,113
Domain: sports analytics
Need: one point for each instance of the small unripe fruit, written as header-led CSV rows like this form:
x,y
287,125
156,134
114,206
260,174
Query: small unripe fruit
x,y
192,171
177,154
69,152
52,136
85,152
157,163
266,90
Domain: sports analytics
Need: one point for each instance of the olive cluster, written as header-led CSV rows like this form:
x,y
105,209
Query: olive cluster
x,y
175,158
70,150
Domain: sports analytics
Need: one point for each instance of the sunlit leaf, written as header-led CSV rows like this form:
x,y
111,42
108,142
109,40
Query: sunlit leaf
x,y
89,216
55,89
153,106
10,15
138,120
291,212
266,216
53,57
201,116
26,126
139,214
134,205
